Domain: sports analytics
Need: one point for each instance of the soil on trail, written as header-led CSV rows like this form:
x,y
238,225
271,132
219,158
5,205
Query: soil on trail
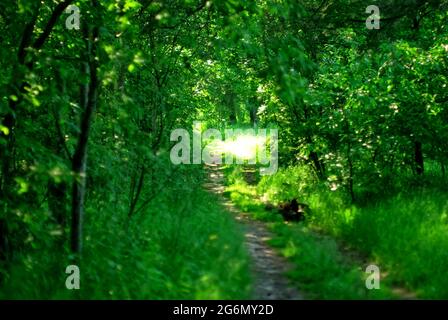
x,y
268,268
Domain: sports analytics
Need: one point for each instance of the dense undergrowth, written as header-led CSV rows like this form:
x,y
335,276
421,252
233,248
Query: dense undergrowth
x,y
404,233
182,246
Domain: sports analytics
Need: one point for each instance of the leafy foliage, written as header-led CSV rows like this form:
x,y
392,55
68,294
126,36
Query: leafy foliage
x,y
86,116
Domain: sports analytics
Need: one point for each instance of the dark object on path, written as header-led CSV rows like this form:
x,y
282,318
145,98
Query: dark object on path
x,y
250,175
291,210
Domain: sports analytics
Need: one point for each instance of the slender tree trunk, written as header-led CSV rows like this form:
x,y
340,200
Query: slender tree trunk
x,y
79,161
349,157
136,197
318,165
4,245
350,172
419,161
253,112
229,102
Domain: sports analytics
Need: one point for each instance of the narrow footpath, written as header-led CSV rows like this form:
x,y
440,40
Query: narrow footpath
x,y
268,267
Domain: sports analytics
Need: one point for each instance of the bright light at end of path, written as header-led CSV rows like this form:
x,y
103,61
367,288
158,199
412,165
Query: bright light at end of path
x,y
243,147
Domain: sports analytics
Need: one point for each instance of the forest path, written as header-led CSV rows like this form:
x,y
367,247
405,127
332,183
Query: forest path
x,y
268,268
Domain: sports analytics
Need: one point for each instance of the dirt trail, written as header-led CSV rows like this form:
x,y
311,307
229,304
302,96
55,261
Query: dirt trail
x,y
268,267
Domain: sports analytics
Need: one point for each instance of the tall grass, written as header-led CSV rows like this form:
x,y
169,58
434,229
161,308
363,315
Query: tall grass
x,y
183,246
408,234
404,232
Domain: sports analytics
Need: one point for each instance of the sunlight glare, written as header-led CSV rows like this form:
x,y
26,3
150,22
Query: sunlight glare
x,y
243,147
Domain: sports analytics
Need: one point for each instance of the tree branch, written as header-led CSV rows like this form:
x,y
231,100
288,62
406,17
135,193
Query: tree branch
x,y
57,12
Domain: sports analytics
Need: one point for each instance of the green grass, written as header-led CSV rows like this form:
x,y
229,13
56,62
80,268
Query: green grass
x,y
406,234
321,271
184,246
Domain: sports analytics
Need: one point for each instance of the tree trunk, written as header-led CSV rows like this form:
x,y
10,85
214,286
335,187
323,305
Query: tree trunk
x,y
3,240
253,112
318,165
350,172
79,161
419,162
136,197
